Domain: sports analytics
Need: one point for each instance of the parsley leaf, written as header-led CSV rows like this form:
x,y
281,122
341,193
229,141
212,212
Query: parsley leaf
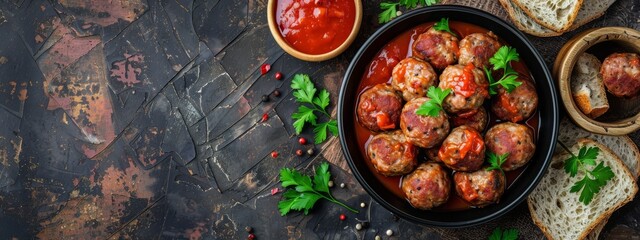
x,y
507,234
306,192
501,60
593,180
311,103
433,106
390,9
443,26
496,161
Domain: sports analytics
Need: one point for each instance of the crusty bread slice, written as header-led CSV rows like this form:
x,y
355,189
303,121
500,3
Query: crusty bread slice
x,y
524,22
623,146
590,10
557,15
587,87
560,215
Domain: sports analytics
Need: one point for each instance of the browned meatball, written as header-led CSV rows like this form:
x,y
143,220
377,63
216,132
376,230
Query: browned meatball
x,y
475,119
423,131
427,187
437,47
463,149
514,139
477,48
621,74
516,105
481,187
432,154
391,154
468,87
413,77
379,108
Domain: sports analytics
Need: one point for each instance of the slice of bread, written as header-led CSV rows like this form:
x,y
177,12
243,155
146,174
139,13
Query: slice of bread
x,y
590,10
560,215
587,86
552,14
524,22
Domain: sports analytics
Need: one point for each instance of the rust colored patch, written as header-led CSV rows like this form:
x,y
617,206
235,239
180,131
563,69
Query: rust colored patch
x,y
196,232
127,70
105,13
133,182
39,38
22,95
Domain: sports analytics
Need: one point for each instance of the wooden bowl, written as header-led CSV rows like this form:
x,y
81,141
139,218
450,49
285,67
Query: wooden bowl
x,y
600,41
275,32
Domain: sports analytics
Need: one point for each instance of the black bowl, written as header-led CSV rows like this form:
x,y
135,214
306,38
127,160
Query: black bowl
x,y
547,107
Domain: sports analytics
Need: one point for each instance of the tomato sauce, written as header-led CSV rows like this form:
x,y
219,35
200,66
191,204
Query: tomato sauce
x,y
315,26
379,71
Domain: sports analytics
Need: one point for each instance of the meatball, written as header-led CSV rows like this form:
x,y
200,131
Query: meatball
x,y
432,154
468,85
379,108
437,47
413,77
463,149
475,119
514,139
621,74
391,154
480,188
427,187
477,48
423,131
516,105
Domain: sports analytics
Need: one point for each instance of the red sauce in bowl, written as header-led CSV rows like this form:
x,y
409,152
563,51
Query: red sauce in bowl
x,y
315,26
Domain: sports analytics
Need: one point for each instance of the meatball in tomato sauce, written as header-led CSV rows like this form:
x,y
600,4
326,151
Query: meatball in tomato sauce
x,y
513,139
480,188
468,87
621,74
413,77
463,149
478,48
436,47
427,187
475,119
423,131
516,105
391,154
379,108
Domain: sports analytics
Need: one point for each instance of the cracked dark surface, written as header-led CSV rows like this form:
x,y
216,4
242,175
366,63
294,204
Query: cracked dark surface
x,y
141,119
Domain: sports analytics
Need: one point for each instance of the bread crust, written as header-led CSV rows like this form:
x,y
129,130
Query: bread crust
x,y
560,29
512,15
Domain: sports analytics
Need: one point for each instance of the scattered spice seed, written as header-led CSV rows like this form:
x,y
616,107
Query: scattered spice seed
x,y
265,98
389,232
248,229
302,141
299,152
278,75
251,236
359,226
276,93
264,69
378,238
342,185
275,191
362,204
342,217
310,151
274,154
330,184
265,117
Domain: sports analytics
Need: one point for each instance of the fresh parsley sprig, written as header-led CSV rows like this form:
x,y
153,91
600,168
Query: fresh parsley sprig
x,y
594,179
443,26
496,161
433,106
507,234
501,60
306,192
310,104
390,9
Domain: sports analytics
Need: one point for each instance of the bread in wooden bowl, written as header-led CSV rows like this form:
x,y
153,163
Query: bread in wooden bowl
x,y
587,87
560,214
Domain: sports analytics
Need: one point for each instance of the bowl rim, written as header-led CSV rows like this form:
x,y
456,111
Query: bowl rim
x,y
563,67
275,32
553,119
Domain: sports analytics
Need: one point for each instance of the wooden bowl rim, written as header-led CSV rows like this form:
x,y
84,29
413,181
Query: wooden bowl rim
x,y
275,32
563,68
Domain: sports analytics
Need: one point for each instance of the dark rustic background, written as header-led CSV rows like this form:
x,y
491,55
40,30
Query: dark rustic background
x,y
140,119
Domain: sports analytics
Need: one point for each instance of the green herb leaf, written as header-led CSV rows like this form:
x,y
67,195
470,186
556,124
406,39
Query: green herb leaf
x,y
322,100
433,106
496,161
503,57
507,234
443,25
305,93
388,12
501,60
305,192
593,180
